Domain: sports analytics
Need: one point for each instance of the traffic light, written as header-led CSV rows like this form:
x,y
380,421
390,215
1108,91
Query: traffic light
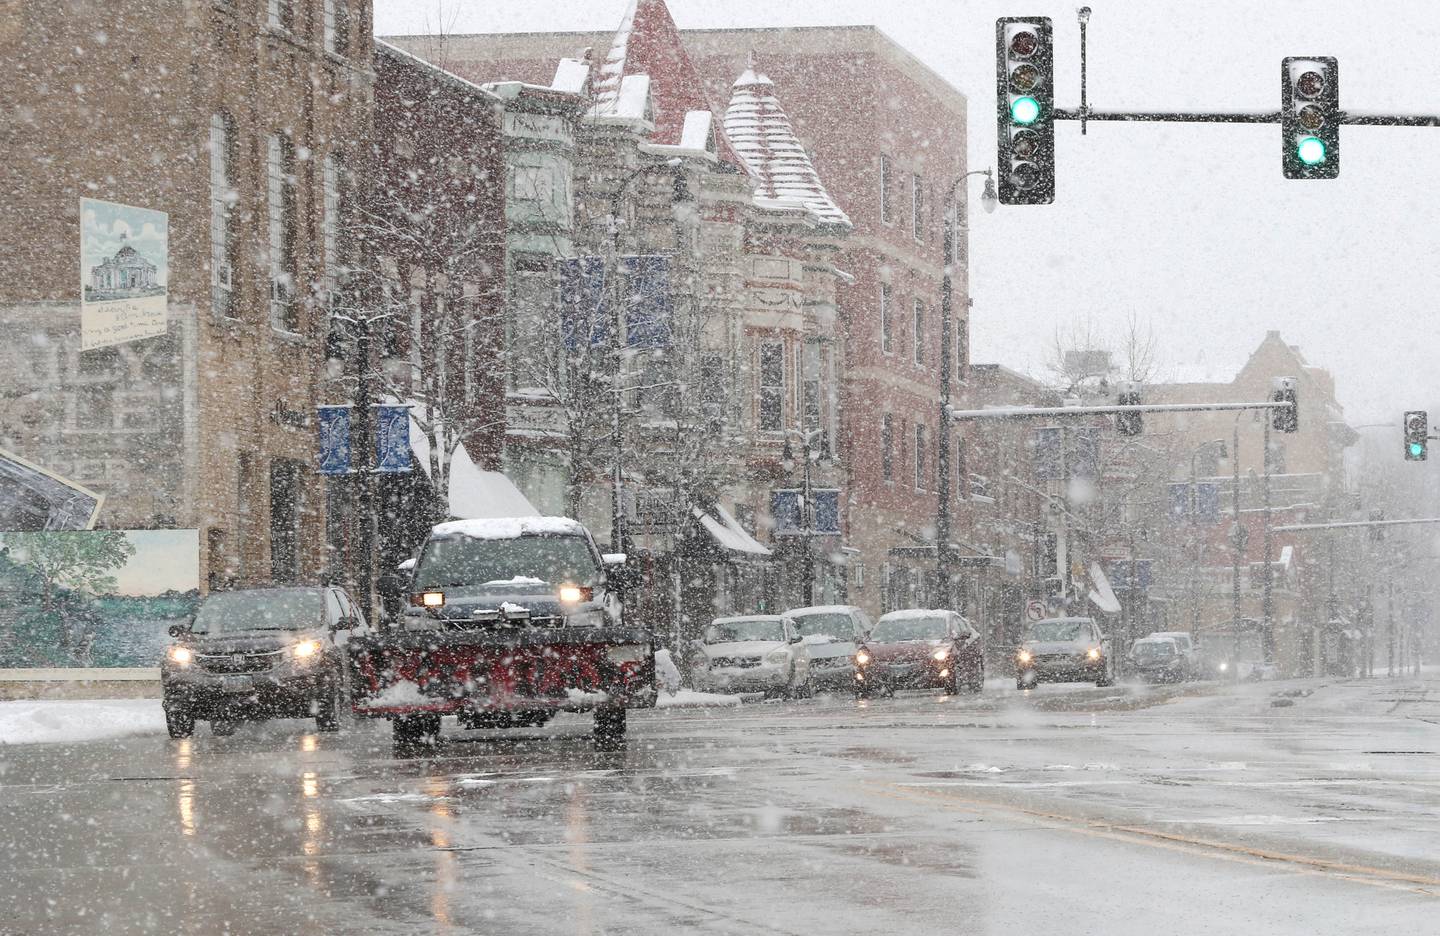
x,y
1025,110
1310,117
1417,435
1129,424
1285,418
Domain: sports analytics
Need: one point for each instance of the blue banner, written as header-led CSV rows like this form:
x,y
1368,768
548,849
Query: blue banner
x,y
1118,572
1179,500
334,442
1083,458
648,310
392,438
584,306
788,515
1207,502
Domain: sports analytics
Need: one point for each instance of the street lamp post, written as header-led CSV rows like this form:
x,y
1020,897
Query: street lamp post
x,y
807,503
943,559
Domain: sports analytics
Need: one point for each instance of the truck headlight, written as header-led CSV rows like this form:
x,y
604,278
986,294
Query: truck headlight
x,y
778,656
180,656
1093,653
862,657
941,654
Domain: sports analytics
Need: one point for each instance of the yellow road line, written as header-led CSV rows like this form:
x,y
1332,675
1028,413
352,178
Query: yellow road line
x,y
1364,874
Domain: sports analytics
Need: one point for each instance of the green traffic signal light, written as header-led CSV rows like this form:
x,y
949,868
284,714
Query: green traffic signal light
x,y
1025,110
1311,151
1416,450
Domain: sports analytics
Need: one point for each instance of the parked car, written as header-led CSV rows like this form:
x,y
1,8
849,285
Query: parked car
x,y
1065,649
259,653
920,648
509,621
1158,659
1189,652
753,653
830,634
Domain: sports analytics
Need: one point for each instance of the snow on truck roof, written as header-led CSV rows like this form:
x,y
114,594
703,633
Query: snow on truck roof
x,y
820,609
909,613
510,527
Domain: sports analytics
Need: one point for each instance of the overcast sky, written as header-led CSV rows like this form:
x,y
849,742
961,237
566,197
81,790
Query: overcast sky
x,y
1192,228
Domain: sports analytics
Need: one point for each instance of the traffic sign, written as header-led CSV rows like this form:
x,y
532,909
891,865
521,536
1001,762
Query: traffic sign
x,y
1035,610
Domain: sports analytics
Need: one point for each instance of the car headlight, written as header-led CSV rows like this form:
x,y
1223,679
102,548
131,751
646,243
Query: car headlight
x,y
180,656
591,618
862,657
778,656
305,649
1093,653
941,654
1024,656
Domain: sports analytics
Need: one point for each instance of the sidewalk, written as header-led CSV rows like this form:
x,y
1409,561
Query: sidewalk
x,y
80,683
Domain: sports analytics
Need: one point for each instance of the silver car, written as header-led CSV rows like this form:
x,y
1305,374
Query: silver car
x,y
1066,649
830,634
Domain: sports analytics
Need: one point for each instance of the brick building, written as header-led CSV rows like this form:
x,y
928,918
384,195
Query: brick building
x,y
237,121
887,136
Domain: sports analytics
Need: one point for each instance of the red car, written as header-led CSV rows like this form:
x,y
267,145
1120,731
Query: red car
x,y
920,649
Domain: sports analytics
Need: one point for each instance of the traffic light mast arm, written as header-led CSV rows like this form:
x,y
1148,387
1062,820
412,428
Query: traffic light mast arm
x,y
1343,118
1022,412
1356,524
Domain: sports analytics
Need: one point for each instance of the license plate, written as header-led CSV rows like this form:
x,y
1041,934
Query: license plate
x,y
237,684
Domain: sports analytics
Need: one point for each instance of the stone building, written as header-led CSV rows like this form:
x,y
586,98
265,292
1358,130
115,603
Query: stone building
x,y
238,121
887,137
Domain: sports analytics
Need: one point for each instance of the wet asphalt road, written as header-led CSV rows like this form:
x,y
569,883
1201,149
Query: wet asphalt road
x,y
1301,807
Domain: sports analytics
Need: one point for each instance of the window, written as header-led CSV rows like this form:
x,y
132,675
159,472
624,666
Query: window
x,y
919,332
962,469
962,348
772,386
285,512
331,225
917,198
712,386
222,201
280,195
920,458
280,14
887,447
332,15
95,407
810,387
886,211
885,344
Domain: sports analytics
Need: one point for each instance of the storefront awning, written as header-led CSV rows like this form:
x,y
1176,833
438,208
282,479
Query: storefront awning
x,y
728,533
1101,594
475,493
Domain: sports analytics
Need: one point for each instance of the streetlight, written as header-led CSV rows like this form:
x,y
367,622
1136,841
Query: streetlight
x,y
807,506
989,200
617,347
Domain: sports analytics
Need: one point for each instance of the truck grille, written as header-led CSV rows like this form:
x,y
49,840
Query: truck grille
x,y
230,663
735,662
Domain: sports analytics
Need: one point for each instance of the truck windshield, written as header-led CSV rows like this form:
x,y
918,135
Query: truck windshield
x,y
261,609
464,560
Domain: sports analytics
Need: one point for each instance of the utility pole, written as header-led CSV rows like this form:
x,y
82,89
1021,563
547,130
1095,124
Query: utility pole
x,y
1267,632
363,452
1237,543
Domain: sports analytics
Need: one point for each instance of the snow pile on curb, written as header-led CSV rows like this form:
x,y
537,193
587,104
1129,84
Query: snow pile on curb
x,y
61,721
689,698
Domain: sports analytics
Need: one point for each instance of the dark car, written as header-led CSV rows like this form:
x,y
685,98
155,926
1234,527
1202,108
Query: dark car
x,y
920,649
1159,659
1068,649
260,653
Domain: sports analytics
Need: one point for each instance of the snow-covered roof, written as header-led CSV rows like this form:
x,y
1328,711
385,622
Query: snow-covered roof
x,y
510,527
572,75
761,133
400,55
648,43
820,609
475,493
728,532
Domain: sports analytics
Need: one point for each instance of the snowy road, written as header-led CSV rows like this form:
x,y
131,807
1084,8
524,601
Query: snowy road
x,y
1078,810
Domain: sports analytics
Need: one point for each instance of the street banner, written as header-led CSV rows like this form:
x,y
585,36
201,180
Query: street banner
x,y
94,597
1179,500
648,310
124,272
788,514
1050,453
334,441
1207,502
584,302
34,499
392,438
1083,456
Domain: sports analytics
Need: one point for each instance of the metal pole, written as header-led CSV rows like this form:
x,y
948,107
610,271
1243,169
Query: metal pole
x,y
809,517
1194,496
1237,545
1267,631
942,463
1084,16
363,453
1390,623
617,484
